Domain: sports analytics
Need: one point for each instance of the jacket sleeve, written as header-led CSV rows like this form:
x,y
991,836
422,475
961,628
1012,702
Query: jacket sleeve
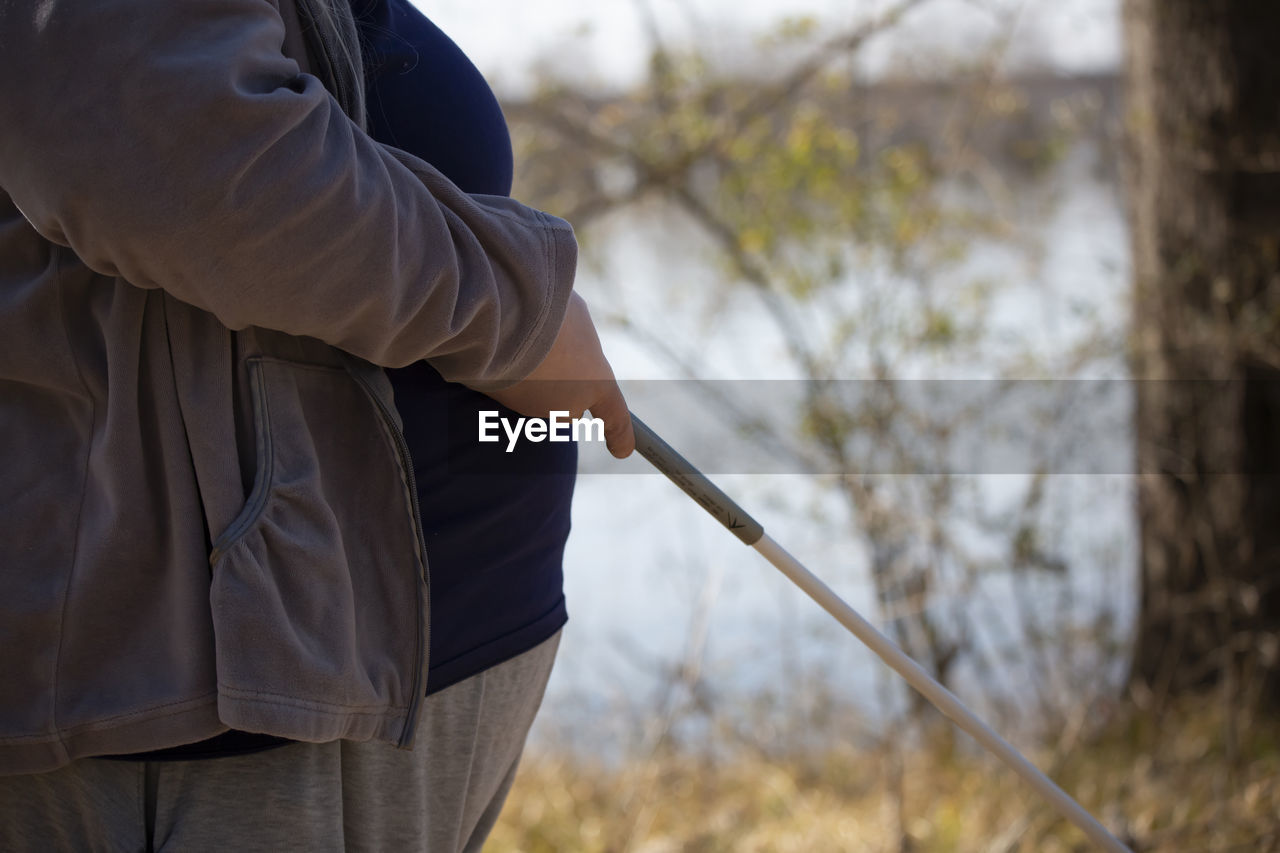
x,y
173,144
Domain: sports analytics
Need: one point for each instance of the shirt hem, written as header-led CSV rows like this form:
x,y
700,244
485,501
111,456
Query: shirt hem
x,y
498,650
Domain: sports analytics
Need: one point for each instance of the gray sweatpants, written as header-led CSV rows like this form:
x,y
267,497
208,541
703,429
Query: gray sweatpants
x,y
442,797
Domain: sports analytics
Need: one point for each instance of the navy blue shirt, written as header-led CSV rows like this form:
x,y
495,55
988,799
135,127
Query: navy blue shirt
x,y
495,522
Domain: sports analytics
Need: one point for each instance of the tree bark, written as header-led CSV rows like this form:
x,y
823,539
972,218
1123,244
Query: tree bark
x,y
1204,122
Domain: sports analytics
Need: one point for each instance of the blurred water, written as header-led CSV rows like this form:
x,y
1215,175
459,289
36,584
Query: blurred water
x,y
608,42
650,576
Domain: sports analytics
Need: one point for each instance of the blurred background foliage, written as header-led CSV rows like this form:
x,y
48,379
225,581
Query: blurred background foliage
x,y
852,212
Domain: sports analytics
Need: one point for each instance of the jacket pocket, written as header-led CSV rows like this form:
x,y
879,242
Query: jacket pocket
x,y
317,588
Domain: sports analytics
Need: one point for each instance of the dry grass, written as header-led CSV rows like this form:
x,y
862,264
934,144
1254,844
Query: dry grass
x,y
1184,784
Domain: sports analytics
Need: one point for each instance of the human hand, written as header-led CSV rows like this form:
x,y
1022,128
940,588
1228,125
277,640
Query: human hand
x,y
575,377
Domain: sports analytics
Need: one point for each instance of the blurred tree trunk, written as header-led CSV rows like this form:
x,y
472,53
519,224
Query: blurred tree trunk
x,y
1204,78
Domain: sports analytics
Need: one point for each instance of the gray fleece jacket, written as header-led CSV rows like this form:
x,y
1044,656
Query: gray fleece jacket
x,y
208,515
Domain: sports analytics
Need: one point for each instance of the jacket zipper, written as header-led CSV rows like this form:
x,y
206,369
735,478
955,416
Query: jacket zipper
x,y
341,87
424,588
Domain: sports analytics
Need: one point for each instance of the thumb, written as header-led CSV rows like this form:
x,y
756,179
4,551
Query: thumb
x,y
619,436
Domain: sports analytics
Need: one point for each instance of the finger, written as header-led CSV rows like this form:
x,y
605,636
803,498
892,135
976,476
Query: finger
x,y
619,436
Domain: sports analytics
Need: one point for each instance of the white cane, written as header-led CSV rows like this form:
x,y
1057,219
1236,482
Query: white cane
x,y
746,528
